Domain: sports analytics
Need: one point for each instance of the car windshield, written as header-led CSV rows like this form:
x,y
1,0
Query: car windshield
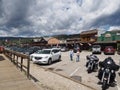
x,y
43,52
109,47
96,46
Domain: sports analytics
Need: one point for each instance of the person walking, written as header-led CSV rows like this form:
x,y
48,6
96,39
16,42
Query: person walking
x,y
78,55
71,54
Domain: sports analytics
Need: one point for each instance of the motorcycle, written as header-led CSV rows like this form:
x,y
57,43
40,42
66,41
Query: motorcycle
x,y
107,74
106,78
92,64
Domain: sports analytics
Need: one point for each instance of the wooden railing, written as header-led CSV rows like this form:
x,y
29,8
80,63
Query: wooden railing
x,y
20,60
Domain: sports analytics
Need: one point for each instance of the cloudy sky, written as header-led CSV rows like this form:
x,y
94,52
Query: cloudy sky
x,y
53,17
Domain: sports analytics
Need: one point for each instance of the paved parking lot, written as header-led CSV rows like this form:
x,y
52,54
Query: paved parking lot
x,y
77,70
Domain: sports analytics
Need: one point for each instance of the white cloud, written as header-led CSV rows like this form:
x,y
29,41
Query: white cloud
x,y
47,17
114,28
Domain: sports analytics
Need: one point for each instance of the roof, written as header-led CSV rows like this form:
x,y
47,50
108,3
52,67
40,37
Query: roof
x,y
48,38
106,42
89,32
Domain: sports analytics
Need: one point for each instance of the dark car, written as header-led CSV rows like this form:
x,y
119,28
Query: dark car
x,y
109,50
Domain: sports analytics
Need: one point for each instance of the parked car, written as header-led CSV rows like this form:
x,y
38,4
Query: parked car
x,y
109,50
63,49
118,51
96,49
31,50
46,56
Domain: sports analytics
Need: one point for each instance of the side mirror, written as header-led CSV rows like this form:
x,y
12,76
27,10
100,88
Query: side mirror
x,y
52,52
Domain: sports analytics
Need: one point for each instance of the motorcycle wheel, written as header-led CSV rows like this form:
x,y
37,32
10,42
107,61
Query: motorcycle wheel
x,y
104,85
89,70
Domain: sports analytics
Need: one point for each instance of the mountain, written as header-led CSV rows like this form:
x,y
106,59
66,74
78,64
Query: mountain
x,y
64,36
10,38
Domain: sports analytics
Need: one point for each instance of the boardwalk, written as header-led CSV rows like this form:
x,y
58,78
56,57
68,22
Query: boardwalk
x,y
12,79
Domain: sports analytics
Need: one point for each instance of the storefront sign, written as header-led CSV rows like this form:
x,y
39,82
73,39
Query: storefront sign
x,y
108,35
117,33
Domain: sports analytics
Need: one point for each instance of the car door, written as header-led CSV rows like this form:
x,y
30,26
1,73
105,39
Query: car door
x,y
53,55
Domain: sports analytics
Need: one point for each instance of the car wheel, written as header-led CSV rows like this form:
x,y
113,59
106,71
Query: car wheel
x,y
49,61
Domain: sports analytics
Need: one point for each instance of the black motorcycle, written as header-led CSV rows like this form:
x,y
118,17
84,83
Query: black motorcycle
x,y
92,64
106,78
107,74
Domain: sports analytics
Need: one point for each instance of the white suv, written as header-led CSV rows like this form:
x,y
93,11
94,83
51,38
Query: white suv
x,y
46,56
96,49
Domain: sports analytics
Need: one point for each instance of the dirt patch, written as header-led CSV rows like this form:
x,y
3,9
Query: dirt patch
x,y
51,69
59,70
78,78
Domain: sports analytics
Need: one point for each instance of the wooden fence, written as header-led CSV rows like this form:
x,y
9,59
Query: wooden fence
x,y
20,60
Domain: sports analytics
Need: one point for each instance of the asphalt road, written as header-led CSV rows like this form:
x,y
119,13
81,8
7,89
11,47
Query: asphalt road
x,y
77,70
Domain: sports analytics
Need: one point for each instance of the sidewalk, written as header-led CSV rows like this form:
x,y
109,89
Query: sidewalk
x,y
12,79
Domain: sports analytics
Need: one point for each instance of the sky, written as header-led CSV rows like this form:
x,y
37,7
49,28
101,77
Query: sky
x,y
31,18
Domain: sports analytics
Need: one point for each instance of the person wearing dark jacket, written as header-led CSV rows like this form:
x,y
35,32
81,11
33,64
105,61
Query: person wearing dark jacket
x,y
108,62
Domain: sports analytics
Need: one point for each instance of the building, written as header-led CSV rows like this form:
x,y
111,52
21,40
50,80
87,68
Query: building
x,y
52,41
109,38
73,40
39,41
88,38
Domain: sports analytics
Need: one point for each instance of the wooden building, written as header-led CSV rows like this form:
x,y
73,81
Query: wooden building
x,y
88,38
39,42
52,41
73,43
73,40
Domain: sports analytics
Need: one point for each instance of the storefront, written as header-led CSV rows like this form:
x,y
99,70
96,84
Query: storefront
x,y
88,38
109,38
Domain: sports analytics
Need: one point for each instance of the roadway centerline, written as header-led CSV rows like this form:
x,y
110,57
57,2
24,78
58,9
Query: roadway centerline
x,y
74,71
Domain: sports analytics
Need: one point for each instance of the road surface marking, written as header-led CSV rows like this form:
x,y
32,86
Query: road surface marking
x,y
118,87
74,71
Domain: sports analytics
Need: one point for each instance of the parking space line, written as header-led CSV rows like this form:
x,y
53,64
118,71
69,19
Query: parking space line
x,y
74,71
118,87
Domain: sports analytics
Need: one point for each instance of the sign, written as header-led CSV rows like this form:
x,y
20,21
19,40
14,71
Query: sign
x,y
108,35
117,33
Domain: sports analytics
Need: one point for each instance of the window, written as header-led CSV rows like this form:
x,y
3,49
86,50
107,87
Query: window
x,y
55,51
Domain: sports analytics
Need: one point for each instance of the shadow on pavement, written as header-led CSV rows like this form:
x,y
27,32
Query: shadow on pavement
x,y
1,58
